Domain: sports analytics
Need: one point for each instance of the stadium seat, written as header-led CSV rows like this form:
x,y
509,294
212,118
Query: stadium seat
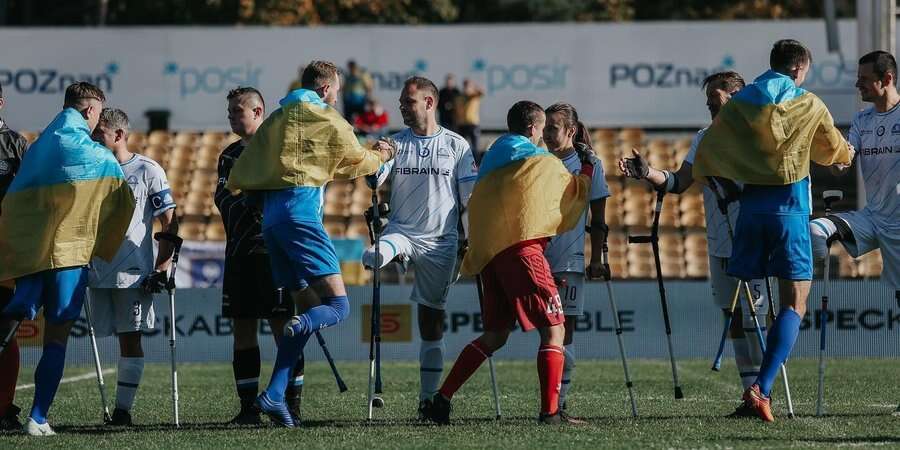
x,y
604,136
186,138
159,137
215,231
30,136
212,138
632,136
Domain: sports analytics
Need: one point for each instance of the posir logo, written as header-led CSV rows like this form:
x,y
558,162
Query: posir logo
x,y
44,80
211,79
663,74
522,77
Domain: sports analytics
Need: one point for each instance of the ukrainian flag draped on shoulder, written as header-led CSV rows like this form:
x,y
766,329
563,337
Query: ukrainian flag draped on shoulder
x,y
68,203
306,142
768,133
523,192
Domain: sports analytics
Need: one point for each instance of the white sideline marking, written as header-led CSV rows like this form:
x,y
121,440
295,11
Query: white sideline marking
x,y
81,377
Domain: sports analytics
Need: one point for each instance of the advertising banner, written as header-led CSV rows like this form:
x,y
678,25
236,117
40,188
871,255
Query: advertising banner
x,y
630,74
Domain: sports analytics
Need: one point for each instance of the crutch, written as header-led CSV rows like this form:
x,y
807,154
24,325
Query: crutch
x,y
374,386
828,197
334,370
729,317
494,387
618,325
170,287
784,375
101,386
653,240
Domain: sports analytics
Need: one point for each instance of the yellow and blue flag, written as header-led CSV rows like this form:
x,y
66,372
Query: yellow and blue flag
x,y
523,192
306,142
768,133
68,203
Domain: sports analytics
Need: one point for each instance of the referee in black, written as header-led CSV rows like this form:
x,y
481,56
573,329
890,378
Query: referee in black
x,y
12,148
248,292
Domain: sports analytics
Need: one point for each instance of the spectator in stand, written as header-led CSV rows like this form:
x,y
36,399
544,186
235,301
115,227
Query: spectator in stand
x,y
356,88
447,103
372,122
468,108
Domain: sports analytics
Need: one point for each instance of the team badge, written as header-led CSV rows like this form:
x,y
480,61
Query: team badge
x,y
880,130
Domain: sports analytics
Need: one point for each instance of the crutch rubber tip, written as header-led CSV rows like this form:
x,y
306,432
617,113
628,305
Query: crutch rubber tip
x,y
498,417
378,402
714,368
678,393
790,415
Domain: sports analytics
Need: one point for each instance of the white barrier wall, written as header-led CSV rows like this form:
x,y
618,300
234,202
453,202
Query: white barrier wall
x,y
865,323
641,74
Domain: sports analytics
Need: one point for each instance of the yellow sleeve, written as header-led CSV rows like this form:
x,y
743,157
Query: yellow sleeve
x,y
828,145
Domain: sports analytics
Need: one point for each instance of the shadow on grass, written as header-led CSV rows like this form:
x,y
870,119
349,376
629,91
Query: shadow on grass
x,y
831,440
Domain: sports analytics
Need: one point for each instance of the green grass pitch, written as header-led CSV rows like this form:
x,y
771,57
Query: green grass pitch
x,y
861,395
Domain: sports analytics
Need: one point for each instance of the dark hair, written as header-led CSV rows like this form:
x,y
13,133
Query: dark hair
x,y
1,91
77,94
523,115
570,116
882,63
730,80
317,74
241,91
787,54
423,83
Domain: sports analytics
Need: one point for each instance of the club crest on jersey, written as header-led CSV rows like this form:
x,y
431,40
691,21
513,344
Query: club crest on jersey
x,y
880,130
895,129
424,152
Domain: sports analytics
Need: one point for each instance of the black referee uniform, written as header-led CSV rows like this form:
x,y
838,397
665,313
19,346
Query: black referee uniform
x,y
248,291
12,148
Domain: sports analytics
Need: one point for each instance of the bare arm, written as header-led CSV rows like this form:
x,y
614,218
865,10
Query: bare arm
x,y
684,177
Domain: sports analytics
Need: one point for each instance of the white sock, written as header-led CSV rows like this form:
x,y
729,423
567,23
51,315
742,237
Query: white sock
x,y
130,372
431,366
568,373
746,370
754,353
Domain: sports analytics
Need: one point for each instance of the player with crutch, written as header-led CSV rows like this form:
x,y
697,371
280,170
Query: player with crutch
x,y
765,137
877,225
828,198
718,89
176,242
431,180
120,292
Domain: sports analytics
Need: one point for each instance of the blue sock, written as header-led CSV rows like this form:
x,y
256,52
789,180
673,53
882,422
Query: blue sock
x,y
781,339
332,311
46,380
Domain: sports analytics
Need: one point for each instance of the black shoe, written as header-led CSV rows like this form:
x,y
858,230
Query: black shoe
x,y
246,416
10,421
551,419
438,410
293,405
120,418
569,419
424,405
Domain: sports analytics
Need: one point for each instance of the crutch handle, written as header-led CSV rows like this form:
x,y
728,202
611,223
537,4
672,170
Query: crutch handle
x,y
641,239
171,237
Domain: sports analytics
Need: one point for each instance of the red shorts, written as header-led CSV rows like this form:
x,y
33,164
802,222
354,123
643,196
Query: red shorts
x,y
518,284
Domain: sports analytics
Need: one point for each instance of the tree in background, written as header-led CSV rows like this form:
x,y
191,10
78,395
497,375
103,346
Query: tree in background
x,y
412,12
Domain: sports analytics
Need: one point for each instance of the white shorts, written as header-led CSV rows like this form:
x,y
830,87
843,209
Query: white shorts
x,y
435,266
571,292
869,236
117,311
723,287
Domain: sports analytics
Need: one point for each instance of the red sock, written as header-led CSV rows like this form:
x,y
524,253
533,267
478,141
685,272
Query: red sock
x,y
9,373
550,360
466,364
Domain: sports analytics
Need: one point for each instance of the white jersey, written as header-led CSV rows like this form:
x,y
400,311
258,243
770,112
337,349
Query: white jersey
x,y
565,253
134,260
718,241
876,138
432,178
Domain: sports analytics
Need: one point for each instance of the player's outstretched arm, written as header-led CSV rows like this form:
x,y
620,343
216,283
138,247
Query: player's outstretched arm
x,y
638,168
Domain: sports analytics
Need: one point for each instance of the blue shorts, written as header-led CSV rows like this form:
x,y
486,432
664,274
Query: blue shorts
x,y
300,252
771,245
59,291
